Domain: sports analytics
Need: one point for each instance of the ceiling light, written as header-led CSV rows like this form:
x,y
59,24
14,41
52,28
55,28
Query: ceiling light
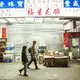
x,y
12,20
40,20
29,20
22,20
2,20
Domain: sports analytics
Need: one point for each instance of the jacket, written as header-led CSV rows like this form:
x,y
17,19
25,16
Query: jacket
x,y
24,58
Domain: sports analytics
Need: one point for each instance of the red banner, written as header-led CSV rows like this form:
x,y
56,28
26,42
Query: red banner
x,y
3,32
66,39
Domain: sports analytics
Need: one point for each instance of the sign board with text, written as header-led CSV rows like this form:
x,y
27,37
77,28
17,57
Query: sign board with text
x,y
11,4
71,3
26,8
3,31
0,32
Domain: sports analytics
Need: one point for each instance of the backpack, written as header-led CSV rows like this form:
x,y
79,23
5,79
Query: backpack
x,y
29,50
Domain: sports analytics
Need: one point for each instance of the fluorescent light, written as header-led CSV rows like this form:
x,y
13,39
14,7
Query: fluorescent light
x,y
40,20
22,20
56,19
31,20
59,21
12,20
2,20
48,19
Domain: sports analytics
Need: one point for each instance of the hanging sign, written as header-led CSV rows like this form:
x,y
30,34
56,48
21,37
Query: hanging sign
x,y
3,31
11,4
43,7
12,8
71,3
66,40
32,8
55,8
71,8
0,32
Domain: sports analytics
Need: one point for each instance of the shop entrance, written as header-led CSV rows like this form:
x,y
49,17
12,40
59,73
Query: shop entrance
x,y
48,32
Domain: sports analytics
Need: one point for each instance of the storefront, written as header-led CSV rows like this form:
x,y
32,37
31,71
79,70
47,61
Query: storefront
x,y
33,21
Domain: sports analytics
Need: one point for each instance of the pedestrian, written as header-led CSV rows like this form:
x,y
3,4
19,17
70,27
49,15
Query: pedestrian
x,y
33,55
24,60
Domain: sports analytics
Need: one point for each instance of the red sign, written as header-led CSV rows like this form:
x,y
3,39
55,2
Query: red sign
x,y
46,12
39,11
74,34
3,32
56,11
66,39
30,11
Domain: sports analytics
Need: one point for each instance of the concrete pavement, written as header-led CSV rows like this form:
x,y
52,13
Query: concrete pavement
x,y
9,71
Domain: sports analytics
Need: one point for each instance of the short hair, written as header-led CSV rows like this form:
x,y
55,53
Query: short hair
x,y
34,41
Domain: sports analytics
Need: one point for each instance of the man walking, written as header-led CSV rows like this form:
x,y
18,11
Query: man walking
x,y
33,55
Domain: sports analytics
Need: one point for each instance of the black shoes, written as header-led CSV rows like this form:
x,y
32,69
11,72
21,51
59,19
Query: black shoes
x,y
24,74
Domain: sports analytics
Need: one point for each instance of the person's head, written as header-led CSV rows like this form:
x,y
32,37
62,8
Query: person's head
x,y
24,48
34,42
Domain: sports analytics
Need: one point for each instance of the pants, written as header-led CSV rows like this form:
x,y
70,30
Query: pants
x,y
24,68
35,62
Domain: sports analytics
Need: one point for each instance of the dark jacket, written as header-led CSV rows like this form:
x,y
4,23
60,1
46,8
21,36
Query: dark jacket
x,y
24,57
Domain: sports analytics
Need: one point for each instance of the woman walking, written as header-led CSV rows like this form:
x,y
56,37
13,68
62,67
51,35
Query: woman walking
x,y
24,60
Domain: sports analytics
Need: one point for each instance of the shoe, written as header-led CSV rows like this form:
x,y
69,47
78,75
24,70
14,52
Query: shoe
x,y
25,75
20,71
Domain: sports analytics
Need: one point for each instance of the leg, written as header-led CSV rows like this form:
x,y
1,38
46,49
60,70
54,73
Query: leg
x,y
35,63
25,69
21,69
30,62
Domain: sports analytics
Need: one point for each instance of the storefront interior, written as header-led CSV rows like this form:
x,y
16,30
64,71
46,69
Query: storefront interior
x,y
54,25
52,52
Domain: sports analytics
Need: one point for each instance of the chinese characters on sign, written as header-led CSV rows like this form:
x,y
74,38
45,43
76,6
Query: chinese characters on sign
x,y
71,3
43,7
39,12
11,4
17,8
71,8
